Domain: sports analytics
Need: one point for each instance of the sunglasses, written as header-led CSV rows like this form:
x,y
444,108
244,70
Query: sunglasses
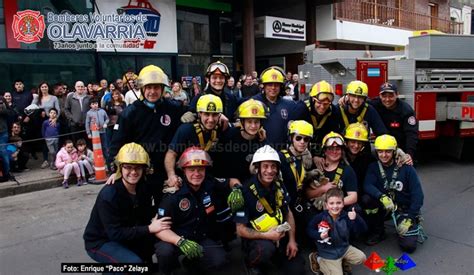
x,y
305,139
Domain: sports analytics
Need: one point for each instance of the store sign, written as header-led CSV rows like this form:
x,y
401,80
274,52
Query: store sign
x,y
124,26
160,30
284,28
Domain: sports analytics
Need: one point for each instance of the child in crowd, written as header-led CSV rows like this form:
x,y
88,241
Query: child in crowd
x,y
66,162
331,231
99,117
50,132
85,159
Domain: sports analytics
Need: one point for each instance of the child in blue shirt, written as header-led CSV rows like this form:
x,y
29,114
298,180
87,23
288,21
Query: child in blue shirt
x,y
50,132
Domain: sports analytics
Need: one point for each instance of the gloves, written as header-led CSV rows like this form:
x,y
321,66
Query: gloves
x,y
190,249
188,117
387,203
235,200
284,227
403,227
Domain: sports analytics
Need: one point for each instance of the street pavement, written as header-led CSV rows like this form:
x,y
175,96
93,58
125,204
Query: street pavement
x,y
41,230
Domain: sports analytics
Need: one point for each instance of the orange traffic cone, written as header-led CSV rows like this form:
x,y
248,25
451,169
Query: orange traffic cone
x,y
99,162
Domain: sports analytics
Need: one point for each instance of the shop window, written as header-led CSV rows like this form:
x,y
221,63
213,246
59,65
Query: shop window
x,y
198,32
51,67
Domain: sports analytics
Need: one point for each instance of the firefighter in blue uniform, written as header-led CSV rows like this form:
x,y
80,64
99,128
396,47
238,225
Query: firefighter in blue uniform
x,y
356,109
204,133
356,136
396,190
193,214
337,172
323,115
151,122
238,144
295,161
119,228
399,118
265,223
280,111
217,74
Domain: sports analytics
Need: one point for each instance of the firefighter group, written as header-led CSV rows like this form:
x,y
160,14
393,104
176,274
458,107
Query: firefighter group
x,y
291,179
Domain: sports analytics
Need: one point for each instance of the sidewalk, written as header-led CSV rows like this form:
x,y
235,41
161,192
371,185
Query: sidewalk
x,y
33,180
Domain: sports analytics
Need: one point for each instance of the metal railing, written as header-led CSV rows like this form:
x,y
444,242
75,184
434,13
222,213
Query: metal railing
x,y
377,14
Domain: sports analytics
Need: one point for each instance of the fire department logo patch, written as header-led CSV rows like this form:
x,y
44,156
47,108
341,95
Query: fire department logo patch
x,y
211,107
254,111
184,204
284,113
28,26
165,120
259,207
274,76
412,120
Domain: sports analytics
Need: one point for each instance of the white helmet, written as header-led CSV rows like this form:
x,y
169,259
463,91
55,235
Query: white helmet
x,y
265,153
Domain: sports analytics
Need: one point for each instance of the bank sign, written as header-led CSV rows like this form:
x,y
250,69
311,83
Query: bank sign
x,y
284,28
124,26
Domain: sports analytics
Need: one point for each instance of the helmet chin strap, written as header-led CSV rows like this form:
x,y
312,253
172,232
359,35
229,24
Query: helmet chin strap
x,y
245,131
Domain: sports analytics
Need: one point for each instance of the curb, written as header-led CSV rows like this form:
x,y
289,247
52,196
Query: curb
x,y
11,189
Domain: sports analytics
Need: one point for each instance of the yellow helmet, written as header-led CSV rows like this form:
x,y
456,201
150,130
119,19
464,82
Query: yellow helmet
x,y
357,88
209,104
357,131
273,74
129,76
385,142
131,153
252,109
301,127
152,74
194,156
332,138
218,67
322,90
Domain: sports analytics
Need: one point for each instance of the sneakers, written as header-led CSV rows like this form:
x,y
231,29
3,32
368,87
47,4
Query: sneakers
x,y
53,167
65,184
375,238
45,164
313,263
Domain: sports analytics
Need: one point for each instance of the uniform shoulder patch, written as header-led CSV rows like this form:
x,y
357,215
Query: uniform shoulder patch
x,y
412,120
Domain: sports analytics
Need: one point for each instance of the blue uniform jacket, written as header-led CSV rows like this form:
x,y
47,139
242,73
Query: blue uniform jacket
x,y
288,177
408,195
153,128
333,123
253,208
120,217
401,123
371,117
233,154
278,115
194,213
340,232
229,102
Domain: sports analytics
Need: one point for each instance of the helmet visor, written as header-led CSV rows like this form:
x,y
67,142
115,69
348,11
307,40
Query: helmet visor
x,y
332,140
218,66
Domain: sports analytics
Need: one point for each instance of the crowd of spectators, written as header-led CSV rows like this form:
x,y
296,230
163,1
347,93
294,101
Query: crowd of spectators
x,y
28,130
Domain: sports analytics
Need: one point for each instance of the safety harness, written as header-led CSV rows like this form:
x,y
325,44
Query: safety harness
x,y
360,117
272,217
391,187
317,125
205,146
299,176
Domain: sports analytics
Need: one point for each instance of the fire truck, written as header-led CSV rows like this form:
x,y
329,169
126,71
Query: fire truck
x,y
434,74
